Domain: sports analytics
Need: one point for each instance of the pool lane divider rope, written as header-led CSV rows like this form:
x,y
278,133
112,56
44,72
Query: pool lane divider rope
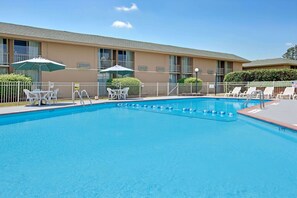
x,y
186,112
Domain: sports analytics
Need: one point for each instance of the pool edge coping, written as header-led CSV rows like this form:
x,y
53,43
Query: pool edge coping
x,y
244,112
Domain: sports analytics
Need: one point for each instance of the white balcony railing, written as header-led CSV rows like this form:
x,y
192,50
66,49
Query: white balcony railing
x,y
174,69
128,64
4,59
187,69
106,64
220,71
21,57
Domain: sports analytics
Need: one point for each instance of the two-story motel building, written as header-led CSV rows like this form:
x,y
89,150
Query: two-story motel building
x,y
85,55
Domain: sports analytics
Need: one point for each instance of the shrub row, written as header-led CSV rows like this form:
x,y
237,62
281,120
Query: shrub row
x,y
14,78
262,75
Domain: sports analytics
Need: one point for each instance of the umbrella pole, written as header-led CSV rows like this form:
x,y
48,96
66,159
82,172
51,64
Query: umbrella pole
x,y
39,78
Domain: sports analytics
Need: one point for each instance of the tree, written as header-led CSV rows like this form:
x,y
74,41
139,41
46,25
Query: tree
x,y
291,53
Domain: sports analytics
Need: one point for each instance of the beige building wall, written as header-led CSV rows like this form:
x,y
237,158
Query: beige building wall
x,y
151,61
207,69
237,66
71,56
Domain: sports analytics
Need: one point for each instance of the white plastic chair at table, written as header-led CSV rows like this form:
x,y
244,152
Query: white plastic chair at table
x,y
124,93
53,96
31,97
51,85
111,94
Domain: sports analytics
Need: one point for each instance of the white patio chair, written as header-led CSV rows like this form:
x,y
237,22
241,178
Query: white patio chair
x,y
31,97
248,92
234,93
268,92
53,97
124,93
289,92
111,94
51,86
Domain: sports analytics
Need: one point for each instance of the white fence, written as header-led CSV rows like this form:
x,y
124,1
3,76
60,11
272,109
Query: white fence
x,y
13,91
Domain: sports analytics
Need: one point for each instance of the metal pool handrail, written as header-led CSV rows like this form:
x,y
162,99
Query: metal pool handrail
x,y
253,94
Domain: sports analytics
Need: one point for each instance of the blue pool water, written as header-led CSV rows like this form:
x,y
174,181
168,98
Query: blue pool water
x,y
132,150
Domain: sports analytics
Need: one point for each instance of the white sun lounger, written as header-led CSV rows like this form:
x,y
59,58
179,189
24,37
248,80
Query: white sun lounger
x,y
288,93
248,92
234,93
268,92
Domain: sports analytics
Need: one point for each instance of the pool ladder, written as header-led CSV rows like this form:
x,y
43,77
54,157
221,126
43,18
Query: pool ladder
x,y
80,95
254,94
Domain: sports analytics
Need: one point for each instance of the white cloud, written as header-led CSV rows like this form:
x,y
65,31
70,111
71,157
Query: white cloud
x,y
121,24
126,9
289,44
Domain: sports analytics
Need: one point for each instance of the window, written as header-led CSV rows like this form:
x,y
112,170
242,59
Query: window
x,y
293,67
174,62
229,67
105,58
126,59
3,52
24,50
122,56
187,65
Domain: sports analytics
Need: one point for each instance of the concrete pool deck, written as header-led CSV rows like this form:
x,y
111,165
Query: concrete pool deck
x,y
280,112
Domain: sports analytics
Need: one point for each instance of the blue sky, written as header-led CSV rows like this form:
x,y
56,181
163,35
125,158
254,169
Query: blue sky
x,y
253,29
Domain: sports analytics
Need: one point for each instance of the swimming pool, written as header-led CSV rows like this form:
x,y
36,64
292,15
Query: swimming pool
x,y
129,150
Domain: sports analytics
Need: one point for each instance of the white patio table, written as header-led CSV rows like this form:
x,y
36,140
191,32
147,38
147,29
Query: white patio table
x,y
42,95
118,93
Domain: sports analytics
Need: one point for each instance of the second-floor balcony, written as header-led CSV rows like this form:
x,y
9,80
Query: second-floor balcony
x,y
174,69
128,64
187,69
106,64
21,57
4,59
220,71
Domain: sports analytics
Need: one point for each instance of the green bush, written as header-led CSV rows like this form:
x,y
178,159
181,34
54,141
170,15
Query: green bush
x,y
262,75
182,80
132,83
192,80
9,86
185,82
14,78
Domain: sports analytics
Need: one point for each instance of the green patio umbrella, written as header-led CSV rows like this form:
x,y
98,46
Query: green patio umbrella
x,y
39,64
117,69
